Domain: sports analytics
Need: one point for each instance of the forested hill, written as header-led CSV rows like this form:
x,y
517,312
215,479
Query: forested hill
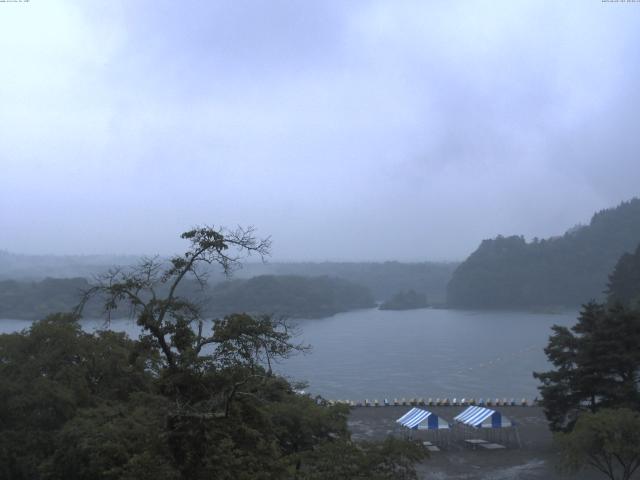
x,y
508,272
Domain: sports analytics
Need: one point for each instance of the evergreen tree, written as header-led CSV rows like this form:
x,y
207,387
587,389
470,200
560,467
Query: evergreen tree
x,y
624,282
597,365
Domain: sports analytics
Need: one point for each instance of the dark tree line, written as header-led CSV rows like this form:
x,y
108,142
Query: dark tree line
x,y
282,295
33,286
289,295
624,282
508,272
35,300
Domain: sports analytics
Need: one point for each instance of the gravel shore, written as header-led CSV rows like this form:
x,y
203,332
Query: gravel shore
x,y
533,459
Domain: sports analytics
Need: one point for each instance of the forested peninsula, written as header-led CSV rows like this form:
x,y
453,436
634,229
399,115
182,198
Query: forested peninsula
x,y
405,300
281,295
383,279
509,272
289,295
33,286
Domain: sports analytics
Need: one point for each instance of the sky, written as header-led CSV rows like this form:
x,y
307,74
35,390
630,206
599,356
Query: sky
x,y
345,130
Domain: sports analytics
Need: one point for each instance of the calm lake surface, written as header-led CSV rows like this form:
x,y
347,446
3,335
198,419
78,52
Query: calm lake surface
x,y
379,354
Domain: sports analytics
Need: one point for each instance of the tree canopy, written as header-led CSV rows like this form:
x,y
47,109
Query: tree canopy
x,y
608,441
509,272
624,281
596,365
189,399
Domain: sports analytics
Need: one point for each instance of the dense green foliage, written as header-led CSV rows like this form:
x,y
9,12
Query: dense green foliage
x,y
596,365
509,272
624,282
405,300
179,403
289,295
53,372
75,405
608,440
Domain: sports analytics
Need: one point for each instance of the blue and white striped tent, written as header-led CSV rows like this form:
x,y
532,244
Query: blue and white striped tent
x,y
420,419
480,417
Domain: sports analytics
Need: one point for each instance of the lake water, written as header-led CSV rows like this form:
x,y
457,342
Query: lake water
x,y
434,353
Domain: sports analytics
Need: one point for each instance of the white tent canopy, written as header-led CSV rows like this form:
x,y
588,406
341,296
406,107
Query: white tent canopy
x,y
480,417
420,419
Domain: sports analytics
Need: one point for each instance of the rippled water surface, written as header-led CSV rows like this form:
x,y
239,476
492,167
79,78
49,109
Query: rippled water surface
x,y
425,353
416,353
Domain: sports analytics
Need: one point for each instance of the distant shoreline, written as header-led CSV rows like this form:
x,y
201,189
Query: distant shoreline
x,y
533,310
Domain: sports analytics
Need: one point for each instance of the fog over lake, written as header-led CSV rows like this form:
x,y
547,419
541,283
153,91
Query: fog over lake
x,y
378,354
426,126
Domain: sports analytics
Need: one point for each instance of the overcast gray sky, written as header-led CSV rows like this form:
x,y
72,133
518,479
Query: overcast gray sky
x,y
380,130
